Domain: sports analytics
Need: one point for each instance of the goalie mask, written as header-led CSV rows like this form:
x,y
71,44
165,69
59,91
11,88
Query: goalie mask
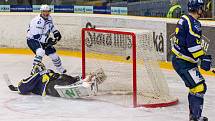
x,y
38,68
99,76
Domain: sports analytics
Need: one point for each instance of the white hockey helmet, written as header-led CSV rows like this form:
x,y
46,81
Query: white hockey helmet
x,y
45,8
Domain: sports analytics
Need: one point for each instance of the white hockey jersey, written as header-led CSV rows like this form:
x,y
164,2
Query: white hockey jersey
x,y
40,29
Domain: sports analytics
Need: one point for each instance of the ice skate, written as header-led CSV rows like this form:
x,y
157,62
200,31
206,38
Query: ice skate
x,y
62,70
200,119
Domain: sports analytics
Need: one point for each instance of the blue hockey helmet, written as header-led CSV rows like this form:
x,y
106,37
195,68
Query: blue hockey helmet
x,y
194,5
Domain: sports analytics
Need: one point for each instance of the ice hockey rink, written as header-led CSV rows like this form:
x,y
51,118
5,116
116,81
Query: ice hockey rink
x,y
15,107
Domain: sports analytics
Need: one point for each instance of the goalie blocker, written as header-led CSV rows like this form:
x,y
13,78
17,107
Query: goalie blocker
x,y
60,85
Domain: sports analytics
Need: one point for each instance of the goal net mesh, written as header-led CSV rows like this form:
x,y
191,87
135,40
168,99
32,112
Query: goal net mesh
x,y
129,60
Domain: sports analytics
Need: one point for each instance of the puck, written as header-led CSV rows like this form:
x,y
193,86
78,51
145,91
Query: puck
x,y
128,57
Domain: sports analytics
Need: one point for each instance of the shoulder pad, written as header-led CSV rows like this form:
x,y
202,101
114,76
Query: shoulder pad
x,y
49,18
38,22
185,17
181,21
190,26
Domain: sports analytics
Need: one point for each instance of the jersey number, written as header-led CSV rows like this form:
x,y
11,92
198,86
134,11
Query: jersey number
x,y
196,75
38,22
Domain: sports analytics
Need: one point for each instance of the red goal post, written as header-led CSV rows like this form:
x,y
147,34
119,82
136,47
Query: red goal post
x,y
96,53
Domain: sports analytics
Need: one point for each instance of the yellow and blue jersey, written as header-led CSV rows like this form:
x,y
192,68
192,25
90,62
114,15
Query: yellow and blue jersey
x,y
187,45
35,84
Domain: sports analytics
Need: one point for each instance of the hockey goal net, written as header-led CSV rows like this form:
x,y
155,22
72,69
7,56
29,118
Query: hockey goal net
x,y
129,60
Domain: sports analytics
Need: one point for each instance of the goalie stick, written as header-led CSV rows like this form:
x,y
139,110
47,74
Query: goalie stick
x,y
9,84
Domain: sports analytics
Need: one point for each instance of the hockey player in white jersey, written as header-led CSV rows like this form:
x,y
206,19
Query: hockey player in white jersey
x,y
39,40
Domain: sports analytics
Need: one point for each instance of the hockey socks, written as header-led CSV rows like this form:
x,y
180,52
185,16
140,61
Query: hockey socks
x,y
195,105
37,59
58,64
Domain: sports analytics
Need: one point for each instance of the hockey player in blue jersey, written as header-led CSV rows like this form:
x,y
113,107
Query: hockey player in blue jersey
x,y
187,52
42,81
47,82
40,42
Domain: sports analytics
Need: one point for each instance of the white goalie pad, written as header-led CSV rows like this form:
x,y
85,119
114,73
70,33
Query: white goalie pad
x,y
83,88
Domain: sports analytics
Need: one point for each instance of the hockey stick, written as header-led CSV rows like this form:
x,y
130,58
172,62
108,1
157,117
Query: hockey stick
x,y
205,45
9,84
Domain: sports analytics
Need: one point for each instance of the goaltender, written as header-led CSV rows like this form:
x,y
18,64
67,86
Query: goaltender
x,y
47,82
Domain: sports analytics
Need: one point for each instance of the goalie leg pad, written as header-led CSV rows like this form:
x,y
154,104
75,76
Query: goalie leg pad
x,y
61,80
78,90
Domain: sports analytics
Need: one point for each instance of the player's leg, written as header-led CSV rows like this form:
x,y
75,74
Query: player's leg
x,y
84,88
59,79
194,80
196,101
37,49
51,52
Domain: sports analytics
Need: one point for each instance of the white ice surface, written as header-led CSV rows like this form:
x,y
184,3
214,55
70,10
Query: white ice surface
x,y
15,107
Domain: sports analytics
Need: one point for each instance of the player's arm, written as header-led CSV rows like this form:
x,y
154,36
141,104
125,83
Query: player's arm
x,y
180,34
197,51
195,48
56,33
194,44
180,31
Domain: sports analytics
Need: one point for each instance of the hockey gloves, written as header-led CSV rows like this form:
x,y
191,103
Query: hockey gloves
x,y
52,41
206,62
57,35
